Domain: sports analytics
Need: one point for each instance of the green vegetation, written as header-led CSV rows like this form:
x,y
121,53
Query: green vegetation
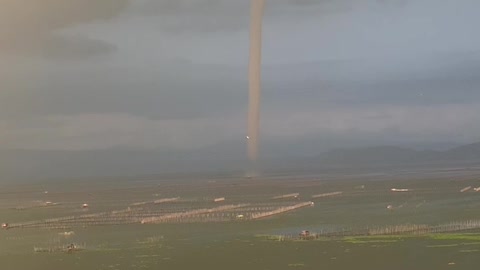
x,y
396,238
442,246
270,237
456,236
296,265
378,239
368,240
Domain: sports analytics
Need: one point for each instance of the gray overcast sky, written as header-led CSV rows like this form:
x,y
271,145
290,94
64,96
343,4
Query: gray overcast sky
x,y
172,74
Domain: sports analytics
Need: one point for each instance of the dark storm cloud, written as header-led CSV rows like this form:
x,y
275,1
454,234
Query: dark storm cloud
x,y
31,27
445,79
180,16
175,91
57,46
332,69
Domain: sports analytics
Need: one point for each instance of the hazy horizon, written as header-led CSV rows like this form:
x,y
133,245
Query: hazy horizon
x,y
170,77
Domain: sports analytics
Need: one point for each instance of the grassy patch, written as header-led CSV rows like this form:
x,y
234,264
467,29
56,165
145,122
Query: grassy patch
x,y
460,238
270,237
456,236
442,246
296,265
368,240
373,239
395,238
469,250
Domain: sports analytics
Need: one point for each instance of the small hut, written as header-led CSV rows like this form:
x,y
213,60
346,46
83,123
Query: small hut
x,y
305,233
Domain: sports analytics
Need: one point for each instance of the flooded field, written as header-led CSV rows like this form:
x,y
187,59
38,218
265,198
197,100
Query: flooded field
x,y
229,222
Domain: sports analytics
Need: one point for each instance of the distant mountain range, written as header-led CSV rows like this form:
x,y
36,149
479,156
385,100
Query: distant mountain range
x,y
399,155
38,164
